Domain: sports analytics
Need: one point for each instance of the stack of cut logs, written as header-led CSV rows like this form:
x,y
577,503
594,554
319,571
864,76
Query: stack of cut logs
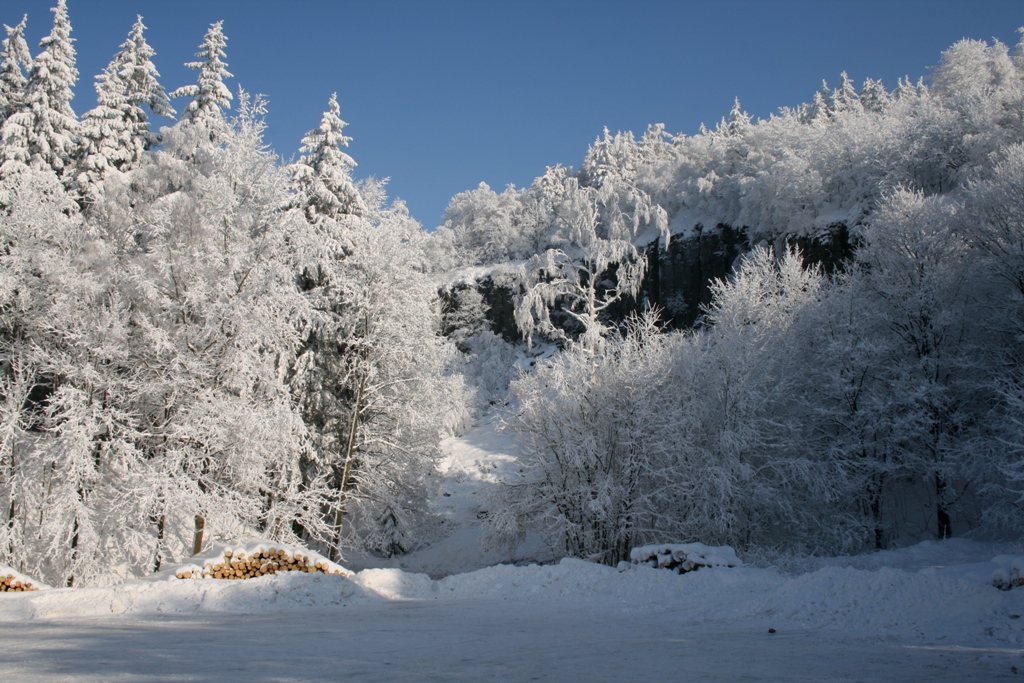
x,y
1009,573
258,563
684,557
1005,581
9,584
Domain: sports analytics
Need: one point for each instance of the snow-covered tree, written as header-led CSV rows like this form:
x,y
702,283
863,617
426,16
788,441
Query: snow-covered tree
x,y
487,227
14,58
844,97
748,476
918,283
323,175
116,133
995,216
596,476
217,321
819,109
873,97
583,277
610,155
43,132
373,376
738,120
69,439
210,96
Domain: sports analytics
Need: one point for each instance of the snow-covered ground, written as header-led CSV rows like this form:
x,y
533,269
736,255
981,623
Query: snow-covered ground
x,y
926,613
472,464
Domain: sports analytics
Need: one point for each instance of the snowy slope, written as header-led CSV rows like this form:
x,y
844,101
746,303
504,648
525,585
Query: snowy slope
x,y
472,465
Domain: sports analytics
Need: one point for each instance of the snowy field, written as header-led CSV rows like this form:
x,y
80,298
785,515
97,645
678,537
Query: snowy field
x,y
926,613
572,621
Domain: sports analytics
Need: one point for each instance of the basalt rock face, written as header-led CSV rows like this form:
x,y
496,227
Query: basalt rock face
x,y
831,249
499,295
679,277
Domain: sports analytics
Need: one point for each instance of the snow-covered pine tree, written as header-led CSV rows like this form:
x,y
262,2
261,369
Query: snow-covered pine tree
x,y
116,133
372,374
818,109
738,120
323,175
611,156
210,96
873,96
44,132
14,58
844,97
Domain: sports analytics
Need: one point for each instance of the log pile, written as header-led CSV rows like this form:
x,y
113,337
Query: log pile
x,y
1010,573
11,584
238,565
684,557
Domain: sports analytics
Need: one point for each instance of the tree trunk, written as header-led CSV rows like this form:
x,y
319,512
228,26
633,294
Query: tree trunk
x,y
197,537
158,556
945,525
74,551
350,447
881,542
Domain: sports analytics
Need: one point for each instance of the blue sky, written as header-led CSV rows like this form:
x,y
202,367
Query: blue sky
x,y
441,95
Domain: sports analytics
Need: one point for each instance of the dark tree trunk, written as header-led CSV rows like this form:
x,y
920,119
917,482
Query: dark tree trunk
x,y
945,526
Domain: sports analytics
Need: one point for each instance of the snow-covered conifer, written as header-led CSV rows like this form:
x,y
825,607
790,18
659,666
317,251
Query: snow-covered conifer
x,y
14,58
655,144
210,95
819,109
738,120
611,157
323,175
116,133
46,124
873,96
373,374
844,97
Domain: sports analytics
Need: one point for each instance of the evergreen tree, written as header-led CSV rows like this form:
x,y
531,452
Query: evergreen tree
x,y
610,158
322,177
116,133
873,96
209,95
738,121
43,133
14,56
844,97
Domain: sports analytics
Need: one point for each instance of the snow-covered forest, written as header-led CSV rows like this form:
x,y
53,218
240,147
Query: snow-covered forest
x,y
201,342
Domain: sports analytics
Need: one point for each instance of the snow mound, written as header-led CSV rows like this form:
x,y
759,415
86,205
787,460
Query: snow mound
x,y
684,557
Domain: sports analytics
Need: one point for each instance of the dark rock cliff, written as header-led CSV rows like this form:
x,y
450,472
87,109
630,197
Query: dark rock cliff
x,y
679,276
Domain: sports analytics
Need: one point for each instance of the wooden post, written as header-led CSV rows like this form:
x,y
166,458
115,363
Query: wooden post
x,y
197,539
